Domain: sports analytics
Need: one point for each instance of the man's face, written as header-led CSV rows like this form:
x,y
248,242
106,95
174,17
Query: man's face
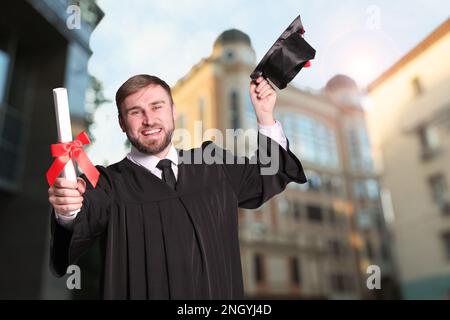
x,y
147,117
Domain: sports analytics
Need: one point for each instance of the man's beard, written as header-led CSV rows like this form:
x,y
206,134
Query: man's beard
x,y
155,147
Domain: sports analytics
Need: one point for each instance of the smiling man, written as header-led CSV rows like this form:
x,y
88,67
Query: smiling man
x,y
148,115
169,227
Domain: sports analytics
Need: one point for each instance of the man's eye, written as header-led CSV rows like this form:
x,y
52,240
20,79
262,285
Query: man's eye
x,y
134,112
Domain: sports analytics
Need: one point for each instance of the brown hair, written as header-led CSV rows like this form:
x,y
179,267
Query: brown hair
x,y
137,82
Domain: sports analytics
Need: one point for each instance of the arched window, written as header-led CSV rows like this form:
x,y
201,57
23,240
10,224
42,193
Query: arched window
x,y
235,117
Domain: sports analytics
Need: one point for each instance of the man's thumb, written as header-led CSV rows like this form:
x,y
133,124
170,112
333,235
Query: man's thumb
x,y
81,185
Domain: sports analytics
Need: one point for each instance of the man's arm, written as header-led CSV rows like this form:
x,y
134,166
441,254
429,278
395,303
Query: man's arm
x,y
263,97
274,132
256,180
69,242
66,220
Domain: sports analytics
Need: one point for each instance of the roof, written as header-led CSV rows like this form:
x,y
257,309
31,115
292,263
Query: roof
x,y
232,36
341,81
432,38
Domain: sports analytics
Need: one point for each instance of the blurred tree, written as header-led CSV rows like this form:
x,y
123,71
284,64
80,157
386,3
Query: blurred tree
x,y
94,99
127,144
89,11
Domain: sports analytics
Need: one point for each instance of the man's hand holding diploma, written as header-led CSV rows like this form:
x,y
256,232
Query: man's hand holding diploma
x,y
66,196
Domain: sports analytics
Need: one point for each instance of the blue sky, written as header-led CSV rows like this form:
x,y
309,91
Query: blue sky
x,y
165,38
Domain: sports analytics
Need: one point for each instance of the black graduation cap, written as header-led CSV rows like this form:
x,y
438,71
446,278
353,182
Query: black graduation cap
x,y
287,56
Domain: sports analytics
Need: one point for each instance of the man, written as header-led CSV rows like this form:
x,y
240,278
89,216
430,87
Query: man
x,y
169,227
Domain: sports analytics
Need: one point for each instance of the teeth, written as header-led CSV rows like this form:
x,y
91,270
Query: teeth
x,y
148,132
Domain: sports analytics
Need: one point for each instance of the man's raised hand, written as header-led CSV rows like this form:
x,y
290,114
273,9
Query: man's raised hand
x,y
263,97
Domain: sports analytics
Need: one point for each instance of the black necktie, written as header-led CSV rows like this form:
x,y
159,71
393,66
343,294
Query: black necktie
x,y
165,165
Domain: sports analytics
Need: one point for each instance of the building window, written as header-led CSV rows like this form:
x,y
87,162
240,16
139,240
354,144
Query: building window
x,y
417,86
439,191
201,111
12,128
379,219
342,283
385,252
314,213
312,139
332,215
15,92
369,249
365,218
4,67
337,186
317,142
338,282
360,152
296,210
359,189
429,141
366,189
235,119
295,267
429,137
372,189
8,164
5,62
258,264
230,55
314,180
327,183
283,206
335,248
446,243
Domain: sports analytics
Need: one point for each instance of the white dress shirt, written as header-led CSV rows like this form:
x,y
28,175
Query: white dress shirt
x,y
150,162
275,132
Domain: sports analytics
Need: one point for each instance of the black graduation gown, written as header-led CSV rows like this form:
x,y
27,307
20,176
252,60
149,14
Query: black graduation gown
x,y
172,244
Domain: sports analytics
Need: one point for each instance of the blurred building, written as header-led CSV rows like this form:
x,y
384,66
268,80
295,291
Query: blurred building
x,y
410,130
42,46
314,240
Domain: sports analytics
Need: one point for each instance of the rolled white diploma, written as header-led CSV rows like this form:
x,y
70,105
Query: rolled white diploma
x,y
64,127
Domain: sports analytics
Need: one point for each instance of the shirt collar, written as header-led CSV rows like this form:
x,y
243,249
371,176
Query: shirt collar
x,y
150,161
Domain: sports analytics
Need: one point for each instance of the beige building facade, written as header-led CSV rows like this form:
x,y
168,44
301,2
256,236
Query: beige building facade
x,y
409,121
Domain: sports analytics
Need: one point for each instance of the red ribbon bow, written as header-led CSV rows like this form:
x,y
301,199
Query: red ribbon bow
x,y
72,150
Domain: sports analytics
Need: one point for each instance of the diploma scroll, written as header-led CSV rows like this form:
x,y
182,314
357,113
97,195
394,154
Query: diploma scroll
x,y
64,127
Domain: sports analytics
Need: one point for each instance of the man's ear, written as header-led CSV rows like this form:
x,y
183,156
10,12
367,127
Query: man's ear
x,y
122,125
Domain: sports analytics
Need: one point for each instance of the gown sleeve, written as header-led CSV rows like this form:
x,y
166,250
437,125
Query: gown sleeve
x,y
265,175
66,246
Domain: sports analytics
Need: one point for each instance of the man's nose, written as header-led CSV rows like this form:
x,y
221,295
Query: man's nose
x,y
147,119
